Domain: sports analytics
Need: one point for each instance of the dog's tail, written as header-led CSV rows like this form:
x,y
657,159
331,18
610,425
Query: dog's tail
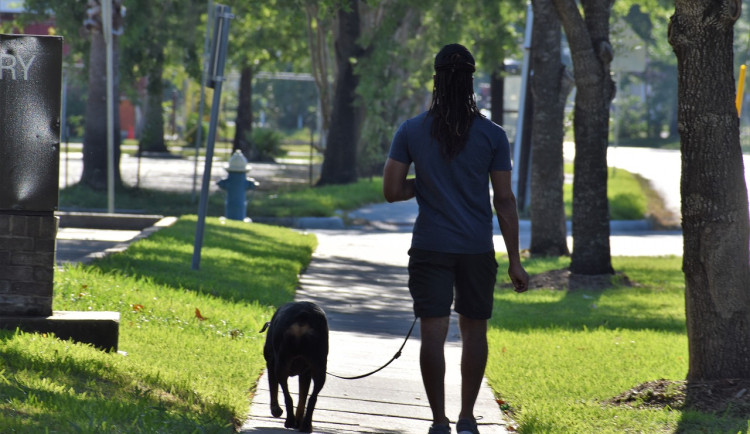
x,y
265,327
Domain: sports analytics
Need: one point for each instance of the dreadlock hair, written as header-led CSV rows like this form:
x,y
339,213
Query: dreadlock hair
x,y
453,107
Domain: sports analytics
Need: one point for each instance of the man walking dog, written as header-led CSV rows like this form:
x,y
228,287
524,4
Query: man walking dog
x,y
455,150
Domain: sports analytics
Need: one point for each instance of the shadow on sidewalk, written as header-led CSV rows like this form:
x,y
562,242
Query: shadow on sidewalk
x,y
359,296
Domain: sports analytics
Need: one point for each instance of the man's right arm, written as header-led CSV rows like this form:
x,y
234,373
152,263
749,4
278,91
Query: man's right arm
x,y
395,185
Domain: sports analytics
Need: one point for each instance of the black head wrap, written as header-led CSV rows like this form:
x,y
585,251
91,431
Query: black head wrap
x,y
454,56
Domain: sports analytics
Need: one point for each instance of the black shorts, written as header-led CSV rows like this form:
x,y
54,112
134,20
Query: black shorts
x,y
434,275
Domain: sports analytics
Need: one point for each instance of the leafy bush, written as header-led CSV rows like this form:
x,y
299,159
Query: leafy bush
x,y
265,144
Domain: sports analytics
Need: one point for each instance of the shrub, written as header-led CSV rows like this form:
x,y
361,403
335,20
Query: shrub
x,y
265,144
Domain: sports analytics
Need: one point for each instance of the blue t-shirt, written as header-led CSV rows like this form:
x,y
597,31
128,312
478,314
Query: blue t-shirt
x,y
455,212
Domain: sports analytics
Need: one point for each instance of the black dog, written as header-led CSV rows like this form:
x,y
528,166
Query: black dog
x,y
296,344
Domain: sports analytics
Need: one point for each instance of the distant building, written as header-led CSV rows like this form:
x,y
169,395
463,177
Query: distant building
x,y
10,8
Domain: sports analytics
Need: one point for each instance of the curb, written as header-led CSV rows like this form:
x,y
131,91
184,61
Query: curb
x,y
93,220
303,222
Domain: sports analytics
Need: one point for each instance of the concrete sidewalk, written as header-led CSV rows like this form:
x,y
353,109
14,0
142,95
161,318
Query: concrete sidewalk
x,y
359,277
627,238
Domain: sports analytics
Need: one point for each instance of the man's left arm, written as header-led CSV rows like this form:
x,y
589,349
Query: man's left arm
x,y
504,202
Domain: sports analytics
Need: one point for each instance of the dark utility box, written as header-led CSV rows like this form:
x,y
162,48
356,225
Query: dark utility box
x,y
30,101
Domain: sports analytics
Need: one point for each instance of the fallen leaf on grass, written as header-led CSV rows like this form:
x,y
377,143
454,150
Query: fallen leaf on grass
x,y
198,315
137,307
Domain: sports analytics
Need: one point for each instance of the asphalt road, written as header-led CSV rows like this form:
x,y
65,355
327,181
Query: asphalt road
x,y
170,173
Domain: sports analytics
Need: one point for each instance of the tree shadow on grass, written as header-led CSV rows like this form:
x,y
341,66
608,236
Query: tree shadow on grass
x,y
264,270
715,406
75,396
581,306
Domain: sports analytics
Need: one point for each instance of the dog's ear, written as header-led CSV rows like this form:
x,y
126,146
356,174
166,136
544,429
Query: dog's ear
x,y
265,326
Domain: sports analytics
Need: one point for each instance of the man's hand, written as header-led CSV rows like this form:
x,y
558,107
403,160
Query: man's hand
x,y
519,277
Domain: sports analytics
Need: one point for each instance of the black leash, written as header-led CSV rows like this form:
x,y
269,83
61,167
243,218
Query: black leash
x,y
395,356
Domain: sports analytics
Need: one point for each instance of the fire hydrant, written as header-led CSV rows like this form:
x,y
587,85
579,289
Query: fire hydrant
x,y
236,185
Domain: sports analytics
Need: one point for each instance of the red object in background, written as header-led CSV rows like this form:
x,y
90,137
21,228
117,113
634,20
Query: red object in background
x,y
127,118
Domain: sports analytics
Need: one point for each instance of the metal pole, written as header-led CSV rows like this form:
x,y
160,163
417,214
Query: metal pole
x,y
515,178
199,131
107,33
221,34
67,152
64,125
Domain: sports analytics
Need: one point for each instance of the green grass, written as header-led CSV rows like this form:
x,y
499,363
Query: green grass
x,y
307,202
556,356
186,370
139,200
627,198
301,152
320,201
627,201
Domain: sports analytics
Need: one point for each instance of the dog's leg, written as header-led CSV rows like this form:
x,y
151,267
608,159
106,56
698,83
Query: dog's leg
x,y
319,380
273,387
290,421
304,387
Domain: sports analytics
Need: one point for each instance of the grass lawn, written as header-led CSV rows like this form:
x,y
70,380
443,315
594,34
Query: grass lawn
x,y
322,201
557,355
307,202
630,199
193,349
194,354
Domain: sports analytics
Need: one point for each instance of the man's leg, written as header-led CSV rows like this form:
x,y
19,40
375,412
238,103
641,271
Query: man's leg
x,y
473,362
432,363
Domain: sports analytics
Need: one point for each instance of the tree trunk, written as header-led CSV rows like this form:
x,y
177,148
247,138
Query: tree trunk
x,y
317,30
713,190
340,157
152,136
592,55
497,96
244,121
94,173
550,86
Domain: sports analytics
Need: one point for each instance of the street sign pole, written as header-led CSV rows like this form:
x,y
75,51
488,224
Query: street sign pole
x,y
107,33
199,128
215,79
